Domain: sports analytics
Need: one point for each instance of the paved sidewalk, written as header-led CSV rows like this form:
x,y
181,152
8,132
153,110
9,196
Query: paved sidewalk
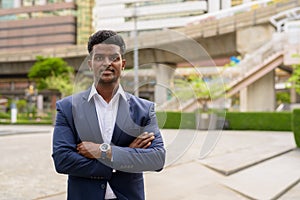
x,y
243,165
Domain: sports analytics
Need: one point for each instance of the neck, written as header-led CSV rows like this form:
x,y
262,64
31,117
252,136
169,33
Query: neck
x,y
107,91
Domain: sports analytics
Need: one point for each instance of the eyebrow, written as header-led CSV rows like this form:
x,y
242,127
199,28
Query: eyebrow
x,y
114,54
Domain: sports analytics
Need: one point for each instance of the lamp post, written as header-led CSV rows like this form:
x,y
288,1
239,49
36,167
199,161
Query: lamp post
x,y
30,92
135,53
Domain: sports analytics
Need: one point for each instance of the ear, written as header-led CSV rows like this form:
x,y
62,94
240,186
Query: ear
x,y
123,64
90,64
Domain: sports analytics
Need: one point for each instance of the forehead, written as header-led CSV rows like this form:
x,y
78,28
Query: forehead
x,y
106,48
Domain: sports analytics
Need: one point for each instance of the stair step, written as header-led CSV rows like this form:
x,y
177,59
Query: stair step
x,y
252,152
267,180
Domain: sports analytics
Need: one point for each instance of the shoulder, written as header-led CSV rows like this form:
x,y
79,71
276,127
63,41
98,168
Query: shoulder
x,y
69,100
139,105
142,102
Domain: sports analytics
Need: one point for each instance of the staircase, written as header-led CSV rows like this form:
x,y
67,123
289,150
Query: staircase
x,y
253,67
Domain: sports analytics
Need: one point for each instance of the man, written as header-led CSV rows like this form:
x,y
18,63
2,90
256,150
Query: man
x,y
104,138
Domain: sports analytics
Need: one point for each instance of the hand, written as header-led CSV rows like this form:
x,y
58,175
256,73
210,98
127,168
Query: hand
x,y
89,150
142,141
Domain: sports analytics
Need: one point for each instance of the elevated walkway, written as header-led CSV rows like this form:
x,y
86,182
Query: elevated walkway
x,y
278,51
255,65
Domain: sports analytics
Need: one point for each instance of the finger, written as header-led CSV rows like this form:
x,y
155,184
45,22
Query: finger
x,y
144,142
147,145
143,135
146,138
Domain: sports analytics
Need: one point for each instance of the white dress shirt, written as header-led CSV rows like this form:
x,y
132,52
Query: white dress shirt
x,y
107,114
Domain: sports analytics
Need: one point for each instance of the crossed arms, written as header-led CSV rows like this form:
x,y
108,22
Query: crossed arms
x,y
80,158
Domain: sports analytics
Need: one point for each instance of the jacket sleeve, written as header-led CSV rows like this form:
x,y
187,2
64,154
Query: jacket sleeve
x,y
65,156
137,159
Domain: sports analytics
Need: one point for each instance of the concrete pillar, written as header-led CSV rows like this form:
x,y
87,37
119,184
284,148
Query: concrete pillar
x,y
259,96
226,4
213,5
243,100
164,79
40,103
293,95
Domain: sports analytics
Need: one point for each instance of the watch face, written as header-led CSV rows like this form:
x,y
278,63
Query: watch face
x,y
104,147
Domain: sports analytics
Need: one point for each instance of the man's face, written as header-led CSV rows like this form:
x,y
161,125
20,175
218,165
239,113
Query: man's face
x,y
106,63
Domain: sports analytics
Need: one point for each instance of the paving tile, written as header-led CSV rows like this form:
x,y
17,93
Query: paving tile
x,y
269,179
292,194
255,150
26,167
179,182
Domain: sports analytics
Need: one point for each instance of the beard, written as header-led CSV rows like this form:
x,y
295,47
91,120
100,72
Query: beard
x,y
105,80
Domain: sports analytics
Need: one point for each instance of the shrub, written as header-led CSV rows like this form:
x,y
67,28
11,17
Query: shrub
x,y
268,121
176,120
271,121
4,115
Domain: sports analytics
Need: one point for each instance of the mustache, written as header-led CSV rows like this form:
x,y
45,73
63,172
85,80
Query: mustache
x,y
110,68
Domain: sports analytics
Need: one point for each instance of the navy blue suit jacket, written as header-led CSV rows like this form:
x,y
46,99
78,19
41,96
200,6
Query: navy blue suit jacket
x,y
77,121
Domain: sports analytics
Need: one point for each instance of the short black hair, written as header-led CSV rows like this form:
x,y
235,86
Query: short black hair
x,y
106,37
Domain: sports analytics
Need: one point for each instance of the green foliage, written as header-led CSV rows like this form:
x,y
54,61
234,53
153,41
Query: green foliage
x,y
4,115
272,121
21,105
60,83
45,67
296,126
196,87
268,121
283,97
52,73
176,120
295,78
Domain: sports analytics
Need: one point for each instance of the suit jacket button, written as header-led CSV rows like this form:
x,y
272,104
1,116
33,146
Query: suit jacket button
x,y
103,186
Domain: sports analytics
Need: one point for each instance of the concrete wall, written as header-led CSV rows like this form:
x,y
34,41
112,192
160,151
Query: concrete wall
x,y
250,38
260,96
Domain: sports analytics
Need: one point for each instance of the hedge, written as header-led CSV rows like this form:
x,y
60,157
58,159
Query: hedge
x,y
176,120
271,121
296,126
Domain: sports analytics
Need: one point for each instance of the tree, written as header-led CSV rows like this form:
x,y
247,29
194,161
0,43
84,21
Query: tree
x,y
52,73
203,90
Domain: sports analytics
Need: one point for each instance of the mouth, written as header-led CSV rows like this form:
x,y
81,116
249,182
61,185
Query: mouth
x,y
108,70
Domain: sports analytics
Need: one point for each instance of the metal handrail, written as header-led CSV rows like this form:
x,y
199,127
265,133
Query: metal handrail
x,y
254,61
281,18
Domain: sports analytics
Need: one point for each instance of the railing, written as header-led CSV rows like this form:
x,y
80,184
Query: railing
x,y
254,61
233,76
230,11
237,17
281,18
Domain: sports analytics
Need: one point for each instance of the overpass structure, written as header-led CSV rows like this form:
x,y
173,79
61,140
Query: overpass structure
x,y
254,77
221,35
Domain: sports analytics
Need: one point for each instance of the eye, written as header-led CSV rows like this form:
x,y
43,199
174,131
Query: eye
x,y
99,58
114,58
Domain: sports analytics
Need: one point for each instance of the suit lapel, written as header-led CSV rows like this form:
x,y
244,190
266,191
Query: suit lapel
x,y
86,119
124,123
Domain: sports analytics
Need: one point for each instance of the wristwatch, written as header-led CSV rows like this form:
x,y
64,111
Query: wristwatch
x,y
104,147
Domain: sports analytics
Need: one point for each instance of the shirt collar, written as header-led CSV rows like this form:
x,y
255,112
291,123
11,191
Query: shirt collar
x,y
120,91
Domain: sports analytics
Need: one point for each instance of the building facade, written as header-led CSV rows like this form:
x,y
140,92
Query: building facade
x,y
146,15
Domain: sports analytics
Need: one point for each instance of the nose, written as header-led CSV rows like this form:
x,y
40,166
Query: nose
x,y
106,61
